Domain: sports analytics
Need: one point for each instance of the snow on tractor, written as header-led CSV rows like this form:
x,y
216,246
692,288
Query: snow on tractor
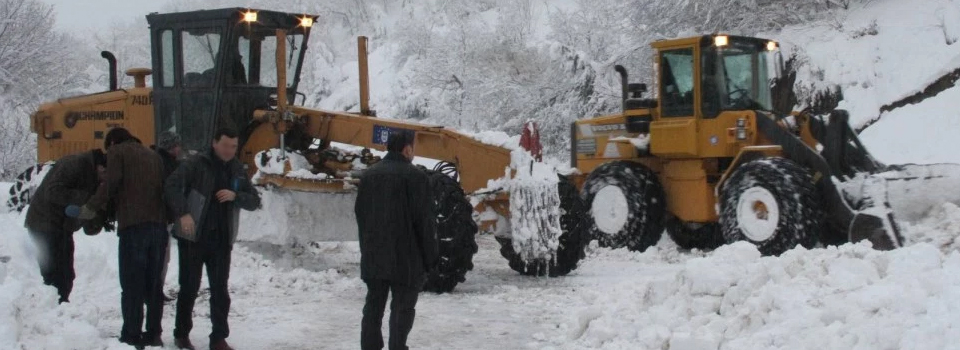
x,y
706,160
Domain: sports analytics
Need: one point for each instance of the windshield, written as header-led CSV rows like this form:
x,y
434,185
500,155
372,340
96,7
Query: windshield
x,y
259,64
736,77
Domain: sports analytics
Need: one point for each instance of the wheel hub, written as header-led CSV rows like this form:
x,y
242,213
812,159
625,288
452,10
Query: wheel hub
x,y
758,214
610,210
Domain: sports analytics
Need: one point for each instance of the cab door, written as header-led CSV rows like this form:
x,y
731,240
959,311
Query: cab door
x,y
674,133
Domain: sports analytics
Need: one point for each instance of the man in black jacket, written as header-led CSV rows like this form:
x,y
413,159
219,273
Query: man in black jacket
x,y
213,186
398,242
71,181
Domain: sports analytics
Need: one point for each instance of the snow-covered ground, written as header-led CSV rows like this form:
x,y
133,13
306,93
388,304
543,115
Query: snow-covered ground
x,y
310,297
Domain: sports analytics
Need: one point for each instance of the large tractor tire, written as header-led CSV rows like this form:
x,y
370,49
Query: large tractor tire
x,y
456,234
626,204
694,235
25,184
574,224
772,203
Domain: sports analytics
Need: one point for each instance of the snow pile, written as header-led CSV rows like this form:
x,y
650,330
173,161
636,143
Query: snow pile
x,y
496,138
941,228
534,206
911,190
293,217
641,142
837,298
921,133
275,162
30,317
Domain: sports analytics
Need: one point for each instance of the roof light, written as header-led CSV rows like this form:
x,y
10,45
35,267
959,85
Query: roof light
x,y
721,40
250,16
771,46
306,22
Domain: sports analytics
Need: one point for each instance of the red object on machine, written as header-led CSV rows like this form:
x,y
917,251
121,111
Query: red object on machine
x,y
530,140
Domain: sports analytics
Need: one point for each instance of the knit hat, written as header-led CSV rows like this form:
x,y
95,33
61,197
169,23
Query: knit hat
x,y
168,140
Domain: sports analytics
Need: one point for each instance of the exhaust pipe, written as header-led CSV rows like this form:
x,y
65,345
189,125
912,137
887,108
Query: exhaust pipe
x,y
113,68
623,86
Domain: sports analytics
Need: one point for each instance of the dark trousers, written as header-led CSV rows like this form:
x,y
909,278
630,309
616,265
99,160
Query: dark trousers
x,y
193,256
55,257
402,314
141,259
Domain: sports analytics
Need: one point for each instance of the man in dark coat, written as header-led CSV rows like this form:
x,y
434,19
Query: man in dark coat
x,y
71,181
398,242
134,182
207,192
168,147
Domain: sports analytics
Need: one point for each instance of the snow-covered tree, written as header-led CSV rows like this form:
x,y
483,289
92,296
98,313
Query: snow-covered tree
x,y
37,64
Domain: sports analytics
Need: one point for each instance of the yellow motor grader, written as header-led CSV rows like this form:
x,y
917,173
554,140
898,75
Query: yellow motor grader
x,y
706,159
240,68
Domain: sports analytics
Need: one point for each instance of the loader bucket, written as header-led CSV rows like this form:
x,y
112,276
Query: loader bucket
x,y
880,230
907,191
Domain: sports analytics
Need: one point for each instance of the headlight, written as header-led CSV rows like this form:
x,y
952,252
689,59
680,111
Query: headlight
x,y
306,22
250,16
771,46
721,40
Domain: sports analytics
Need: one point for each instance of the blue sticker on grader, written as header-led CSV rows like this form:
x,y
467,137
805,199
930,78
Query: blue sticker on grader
x,y
382,133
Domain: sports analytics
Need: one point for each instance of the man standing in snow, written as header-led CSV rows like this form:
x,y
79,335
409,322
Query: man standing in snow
x,y
168,147
398,242
134,182
206,193
70,182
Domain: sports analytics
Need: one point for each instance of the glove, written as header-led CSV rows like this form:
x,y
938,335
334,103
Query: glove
x,y
78,212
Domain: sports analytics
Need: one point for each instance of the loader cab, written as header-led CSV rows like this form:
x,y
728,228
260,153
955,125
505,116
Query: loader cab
x,y
704,76
214,68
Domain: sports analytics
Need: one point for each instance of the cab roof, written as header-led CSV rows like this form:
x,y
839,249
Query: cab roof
x,y
267,18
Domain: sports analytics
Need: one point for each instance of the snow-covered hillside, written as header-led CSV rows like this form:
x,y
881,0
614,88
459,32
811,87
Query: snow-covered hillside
x,y
878,53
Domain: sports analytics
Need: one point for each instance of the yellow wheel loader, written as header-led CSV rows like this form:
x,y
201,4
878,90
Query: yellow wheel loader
x,y
709,162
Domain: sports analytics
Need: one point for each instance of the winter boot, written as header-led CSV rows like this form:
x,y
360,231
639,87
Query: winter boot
x,y
220,345
183,343
153,341
136,343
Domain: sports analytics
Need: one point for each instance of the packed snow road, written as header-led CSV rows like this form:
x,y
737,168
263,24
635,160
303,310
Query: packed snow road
x,y
310,297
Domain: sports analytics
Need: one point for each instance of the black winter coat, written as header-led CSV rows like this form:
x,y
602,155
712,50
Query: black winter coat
x,y
198,173
72,180
396,222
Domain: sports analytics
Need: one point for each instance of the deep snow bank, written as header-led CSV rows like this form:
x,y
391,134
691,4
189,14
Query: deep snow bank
x,y
851,297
